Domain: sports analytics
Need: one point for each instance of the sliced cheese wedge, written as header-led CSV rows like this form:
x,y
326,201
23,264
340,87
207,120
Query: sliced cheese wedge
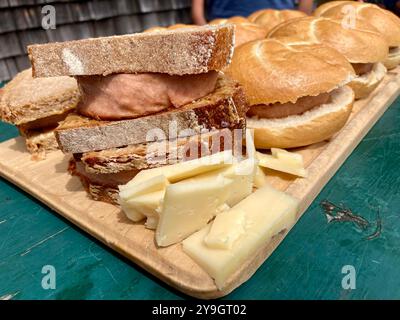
x,y
226,228
189,206
267,212
150,185
292,158
149,205
187,169
260,178
279,164
131,213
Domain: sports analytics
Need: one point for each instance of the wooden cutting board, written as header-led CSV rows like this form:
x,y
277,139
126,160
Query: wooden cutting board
x,y
49,182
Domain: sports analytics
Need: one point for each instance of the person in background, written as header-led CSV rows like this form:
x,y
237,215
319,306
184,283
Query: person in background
x,y
203,10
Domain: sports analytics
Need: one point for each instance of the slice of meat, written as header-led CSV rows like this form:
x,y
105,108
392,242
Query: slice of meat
x,y
362,68
282,110
127,96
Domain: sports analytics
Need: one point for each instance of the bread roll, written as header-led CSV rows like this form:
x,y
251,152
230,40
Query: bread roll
x,y
269,18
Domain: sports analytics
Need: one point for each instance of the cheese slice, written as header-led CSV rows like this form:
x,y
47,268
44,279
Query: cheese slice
x,y
295,159
131,213
153,184
269,161
226,228
260,178
189,206
267,212
149,205
187,169
242,175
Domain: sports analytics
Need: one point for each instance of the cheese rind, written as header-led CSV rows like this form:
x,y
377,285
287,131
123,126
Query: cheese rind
x,y
268,211
189,206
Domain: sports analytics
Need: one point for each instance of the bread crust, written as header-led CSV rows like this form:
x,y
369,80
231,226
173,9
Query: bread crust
x,y
269,18
361,44
224,108
295,131
365,84
282,70
25,99
181,51
386,22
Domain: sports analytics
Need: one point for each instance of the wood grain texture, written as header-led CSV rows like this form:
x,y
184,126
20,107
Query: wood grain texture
x,y
49,182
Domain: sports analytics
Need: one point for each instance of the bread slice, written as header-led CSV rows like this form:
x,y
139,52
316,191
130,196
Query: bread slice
x,y
180,51
25,99
39,142
224,108
157,154
100,187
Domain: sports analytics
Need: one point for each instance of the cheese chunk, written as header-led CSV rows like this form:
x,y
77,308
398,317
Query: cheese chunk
x,y
267,212
279,164
187,169
153,184
242,175
189,206
131,213
289,157
260,178
226,228
149,205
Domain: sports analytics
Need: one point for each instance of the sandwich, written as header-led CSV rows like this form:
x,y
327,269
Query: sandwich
x,y
297,91
245,31
269,18
36,106
384,21
143,93
363,47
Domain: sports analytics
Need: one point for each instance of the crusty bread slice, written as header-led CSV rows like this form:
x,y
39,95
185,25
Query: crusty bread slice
x,y
363,85
39,142
179,51
157,154
224,108
25,99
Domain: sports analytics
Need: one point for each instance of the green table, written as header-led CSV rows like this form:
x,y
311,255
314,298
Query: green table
x,y
307,265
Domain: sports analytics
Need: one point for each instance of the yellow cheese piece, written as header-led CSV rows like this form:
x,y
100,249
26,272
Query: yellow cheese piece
x,y
269,161
267,212
189,206
260,178
149,205
289,157
187,169
226,228
131,213
241,173
153,184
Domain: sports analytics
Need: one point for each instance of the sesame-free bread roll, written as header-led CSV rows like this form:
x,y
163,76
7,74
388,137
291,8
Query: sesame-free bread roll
x,y
386,22
245,30
269,18
180,51
363,46
276,73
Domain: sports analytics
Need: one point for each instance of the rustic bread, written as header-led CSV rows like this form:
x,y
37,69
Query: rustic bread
x,y
146,156
361,44
25,99
393,58
39,142
180,51
364,84
224,108
316,125
283,70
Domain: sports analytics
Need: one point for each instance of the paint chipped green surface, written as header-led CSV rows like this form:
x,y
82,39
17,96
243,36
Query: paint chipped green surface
x,y
307,265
